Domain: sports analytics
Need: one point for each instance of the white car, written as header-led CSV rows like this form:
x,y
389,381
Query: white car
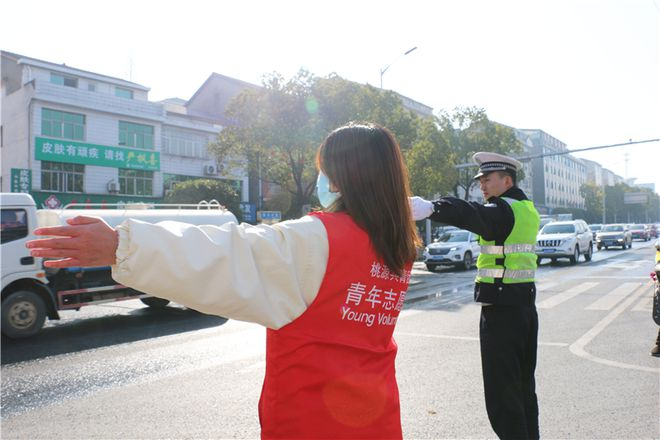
x,y
458,248
568,239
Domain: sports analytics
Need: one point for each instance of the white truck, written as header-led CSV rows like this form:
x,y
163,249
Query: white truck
x,y
31,292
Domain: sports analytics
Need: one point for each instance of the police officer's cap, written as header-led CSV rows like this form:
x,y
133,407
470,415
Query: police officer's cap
x,y
489,162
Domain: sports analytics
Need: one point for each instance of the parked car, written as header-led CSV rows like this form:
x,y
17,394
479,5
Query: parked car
x,y
614,235
456,247
566,239
640,232
594,229
653,230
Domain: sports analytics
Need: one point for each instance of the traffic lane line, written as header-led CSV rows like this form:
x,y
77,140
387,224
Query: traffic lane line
x,y
578,347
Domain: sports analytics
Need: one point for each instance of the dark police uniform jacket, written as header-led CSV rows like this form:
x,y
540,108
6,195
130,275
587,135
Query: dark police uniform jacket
x,y
493,221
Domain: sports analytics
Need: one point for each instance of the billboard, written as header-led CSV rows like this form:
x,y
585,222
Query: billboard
x,y
636,198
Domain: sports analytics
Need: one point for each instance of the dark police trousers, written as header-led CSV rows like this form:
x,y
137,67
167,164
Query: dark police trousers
x,y
508,337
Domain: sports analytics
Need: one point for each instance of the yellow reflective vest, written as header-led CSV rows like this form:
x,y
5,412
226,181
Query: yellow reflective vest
x,y
513,261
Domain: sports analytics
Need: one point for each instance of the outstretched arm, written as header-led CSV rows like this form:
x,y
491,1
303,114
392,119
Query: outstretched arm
x,y
84,242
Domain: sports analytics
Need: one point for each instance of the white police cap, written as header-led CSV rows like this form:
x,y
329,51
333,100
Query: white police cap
x,y
489,162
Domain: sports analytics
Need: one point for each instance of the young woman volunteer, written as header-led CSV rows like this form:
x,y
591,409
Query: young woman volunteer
x,y
329,286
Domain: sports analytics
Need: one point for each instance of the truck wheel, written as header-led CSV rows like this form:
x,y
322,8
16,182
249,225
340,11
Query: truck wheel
x,y
157,303
23,314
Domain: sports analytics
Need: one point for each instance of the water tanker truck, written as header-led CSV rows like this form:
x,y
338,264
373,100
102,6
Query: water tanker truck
x,y
31,293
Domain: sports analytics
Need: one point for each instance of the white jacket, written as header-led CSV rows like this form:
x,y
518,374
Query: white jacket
x,y
263,274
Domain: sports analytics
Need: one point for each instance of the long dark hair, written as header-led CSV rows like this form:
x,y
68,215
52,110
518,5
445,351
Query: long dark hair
x,y
364,162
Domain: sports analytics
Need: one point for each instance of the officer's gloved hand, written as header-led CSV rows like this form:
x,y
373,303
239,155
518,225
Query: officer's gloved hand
x,y
420,208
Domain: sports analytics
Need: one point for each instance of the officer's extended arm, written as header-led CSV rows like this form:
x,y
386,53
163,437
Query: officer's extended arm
x,y
493,221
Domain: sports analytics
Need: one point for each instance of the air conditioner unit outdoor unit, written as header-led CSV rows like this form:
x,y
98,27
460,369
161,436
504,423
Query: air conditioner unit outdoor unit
x,y
113,187
210,170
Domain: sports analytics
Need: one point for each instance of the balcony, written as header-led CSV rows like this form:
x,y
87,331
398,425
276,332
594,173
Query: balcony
x,y
97,101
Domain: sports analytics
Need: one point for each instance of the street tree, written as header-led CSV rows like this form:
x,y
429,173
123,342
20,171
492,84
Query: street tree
x,y
430,162
468,130
593,200
280,126
197,190
275,136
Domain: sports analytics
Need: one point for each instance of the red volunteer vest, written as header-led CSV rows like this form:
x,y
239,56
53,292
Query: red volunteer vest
x,y
330,373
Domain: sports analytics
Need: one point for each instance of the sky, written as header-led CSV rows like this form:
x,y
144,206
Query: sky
x,y
587,72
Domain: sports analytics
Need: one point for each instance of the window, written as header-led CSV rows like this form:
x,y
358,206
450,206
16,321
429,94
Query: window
x,y
58,124
136,182
123,93
13,225
69,81
62,177
91,87
136,135
183,143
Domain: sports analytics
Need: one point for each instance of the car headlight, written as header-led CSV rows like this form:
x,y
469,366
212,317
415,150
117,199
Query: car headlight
x,y
453,249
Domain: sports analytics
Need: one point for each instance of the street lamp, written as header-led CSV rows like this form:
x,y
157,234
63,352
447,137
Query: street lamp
x,y
382,71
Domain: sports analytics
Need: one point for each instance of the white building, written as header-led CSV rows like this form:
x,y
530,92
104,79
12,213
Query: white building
x,y
556,178
69,135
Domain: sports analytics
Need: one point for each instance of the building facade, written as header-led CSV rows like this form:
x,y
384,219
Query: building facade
x,y
556,178
70,135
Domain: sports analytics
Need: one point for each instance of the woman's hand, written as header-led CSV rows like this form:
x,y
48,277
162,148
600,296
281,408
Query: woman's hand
x,y
86,242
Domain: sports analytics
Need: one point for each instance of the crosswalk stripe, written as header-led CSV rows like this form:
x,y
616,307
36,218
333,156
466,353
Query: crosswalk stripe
x,y
611,299
565,296
645,305
624,264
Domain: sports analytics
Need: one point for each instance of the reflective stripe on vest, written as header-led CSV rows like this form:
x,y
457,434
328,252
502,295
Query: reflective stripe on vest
x,y
505,273
512,260
507,249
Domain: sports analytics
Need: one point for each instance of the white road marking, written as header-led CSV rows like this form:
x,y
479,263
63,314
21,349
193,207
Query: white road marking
x,y
577,347
546,285
565,296
619,277
465,338
624,265
645,305
614,297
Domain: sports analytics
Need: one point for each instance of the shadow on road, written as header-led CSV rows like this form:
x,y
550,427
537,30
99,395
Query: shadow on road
x,y
88,333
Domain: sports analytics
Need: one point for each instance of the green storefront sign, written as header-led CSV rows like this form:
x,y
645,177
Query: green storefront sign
x,y
21,180
58,150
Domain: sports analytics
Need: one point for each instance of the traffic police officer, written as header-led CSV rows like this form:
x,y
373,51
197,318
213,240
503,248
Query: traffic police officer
x,y
507,225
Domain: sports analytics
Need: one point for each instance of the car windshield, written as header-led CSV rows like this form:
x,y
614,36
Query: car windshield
x,y
638,227
612,228
453,237
558,229
595,227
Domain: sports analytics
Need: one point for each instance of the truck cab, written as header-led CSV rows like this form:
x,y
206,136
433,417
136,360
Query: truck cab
x,y
26,300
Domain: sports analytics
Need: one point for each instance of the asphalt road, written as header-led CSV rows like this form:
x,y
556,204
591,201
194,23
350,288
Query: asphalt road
x,y
125,371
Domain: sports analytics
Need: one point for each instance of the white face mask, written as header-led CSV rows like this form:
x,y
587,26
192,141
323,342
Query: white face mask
x,y
326,197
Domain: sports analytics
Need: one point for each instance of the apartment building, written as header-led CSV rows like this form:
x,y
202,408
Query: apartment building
x,y
557,176
69,135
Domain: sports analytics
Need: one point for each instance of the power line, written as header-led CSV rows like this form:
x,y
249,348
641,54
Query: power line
x,y
559,153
